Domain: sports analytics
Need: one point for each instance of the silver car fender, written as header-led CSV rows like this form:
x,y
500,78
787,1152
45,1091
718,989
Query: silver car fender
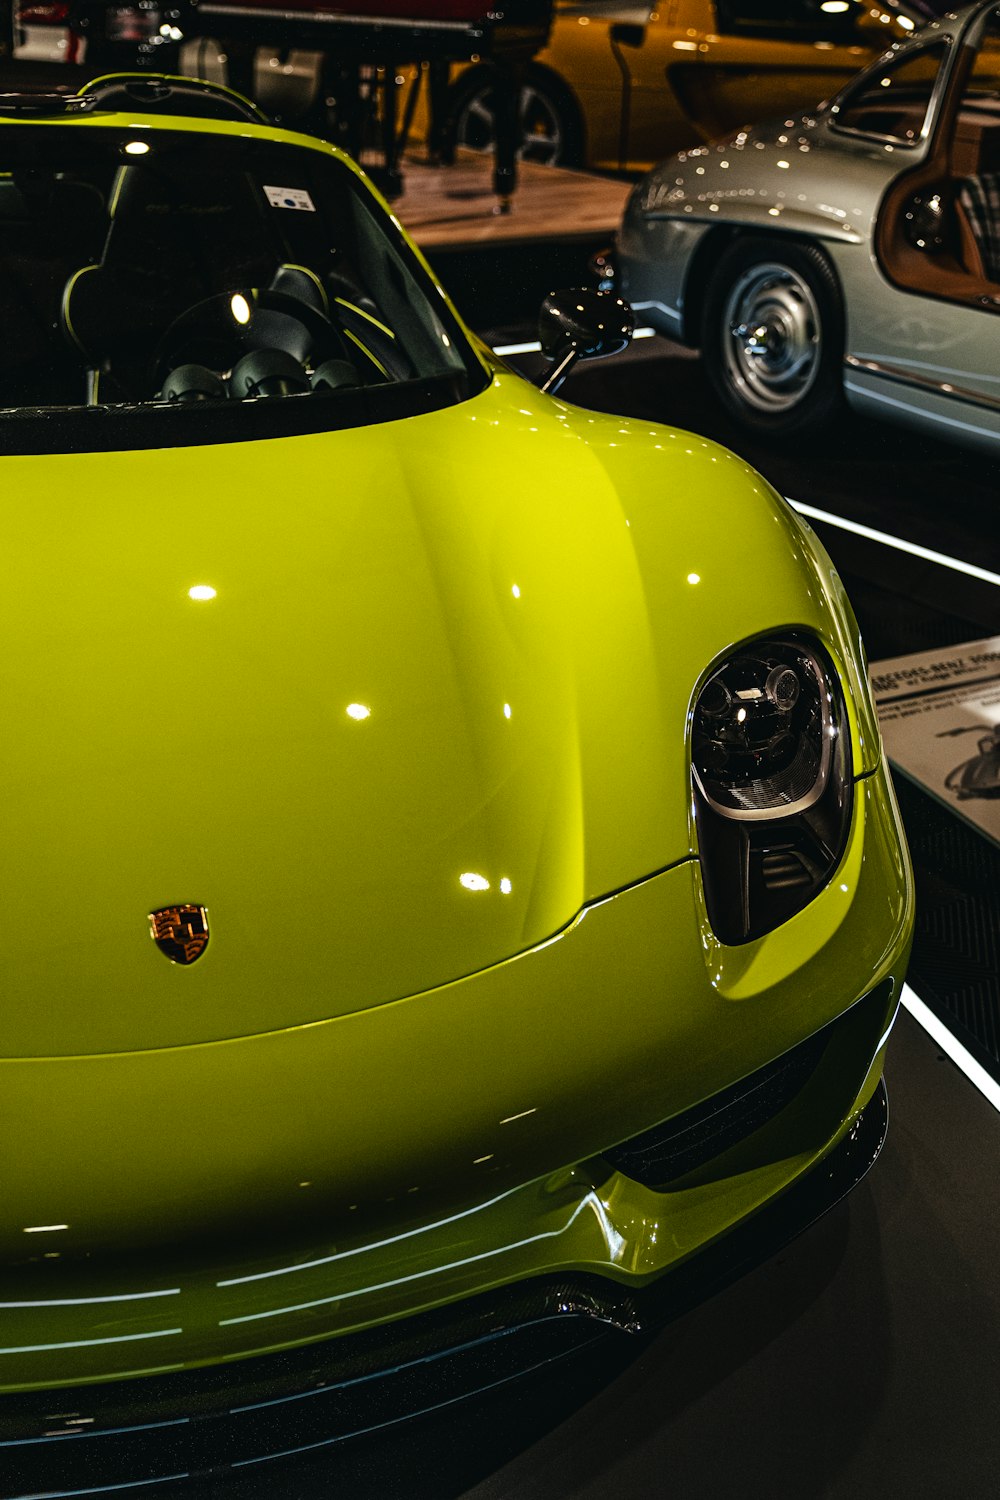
x,y
681,216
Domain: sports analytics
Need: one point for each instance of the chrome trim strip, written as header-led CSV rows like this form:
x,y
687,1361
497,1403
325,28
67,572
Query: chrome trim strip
x,y
925,414
942,388
673,313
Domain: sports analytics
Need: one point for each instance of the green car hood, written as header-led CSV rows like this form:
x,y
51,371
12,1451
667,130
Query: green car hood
x,y
436,705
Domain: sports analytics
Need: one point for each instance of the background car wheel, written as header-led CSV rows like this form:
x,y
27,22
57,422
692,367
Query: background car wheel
x,y
773,335
550,125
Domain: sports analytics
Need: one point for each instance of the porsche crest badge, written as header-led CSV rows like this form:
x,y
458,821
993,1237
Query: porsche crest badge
x,y
181,932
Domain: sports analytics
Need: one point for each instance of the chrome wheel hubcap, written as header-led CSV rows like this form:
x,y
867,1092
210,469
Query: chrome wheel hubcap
x,y
771,338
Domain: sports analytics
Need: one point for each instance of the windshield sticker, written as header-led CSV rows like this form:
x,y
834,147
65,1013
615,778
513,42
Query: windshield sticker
x,y
282,197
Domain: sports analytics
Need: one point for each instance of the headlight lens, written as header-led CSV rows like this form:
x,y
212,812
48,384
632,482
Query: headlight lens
x,y
771,765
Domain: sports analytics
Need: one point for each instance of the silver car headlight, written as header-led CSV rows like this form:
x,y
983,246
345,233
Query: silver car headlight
x,y
771,766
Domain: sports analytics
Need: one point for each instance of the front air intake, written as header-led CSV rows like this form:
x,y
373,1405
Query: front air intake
x,y
698,1135
669,1151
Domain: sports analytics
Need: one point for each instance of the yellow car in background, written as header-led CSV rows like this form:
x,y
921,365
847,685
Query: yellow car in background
x,y
621,86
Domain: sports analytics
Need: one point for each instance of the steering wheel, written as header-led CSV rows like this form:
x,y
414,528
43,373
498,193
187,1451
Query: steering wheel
x,y
220,330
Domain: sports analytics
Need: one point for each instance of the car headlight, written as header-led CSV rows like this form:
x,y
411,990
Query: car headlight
x,y
771,766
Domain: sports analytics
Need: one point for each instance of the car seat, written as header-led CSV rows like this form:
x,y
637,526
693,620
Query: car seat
x,y
978,212
47,222
171,244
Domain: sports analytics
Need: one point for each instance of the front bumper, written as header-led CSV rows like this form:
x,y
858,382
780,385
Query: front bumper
x,y
292,1194
233,1417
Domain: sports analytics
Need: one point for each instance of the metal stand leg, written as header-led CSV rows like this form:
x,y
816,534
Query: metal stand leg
x,y
507,114
347,85
393,180
440,135
240,57
6,28
409,110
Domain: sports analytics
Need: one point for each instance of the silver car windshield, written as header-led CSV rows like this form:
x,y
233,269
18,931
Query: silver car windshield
x,y
892,101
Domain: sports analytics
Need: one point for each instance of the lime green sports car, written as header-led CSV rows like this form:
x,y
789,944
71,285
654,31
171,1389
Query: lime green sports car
x,y
453,894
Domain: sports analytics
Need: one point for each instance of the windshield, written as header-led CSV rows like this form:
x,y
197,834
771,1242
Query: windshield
x,y
171,272
892,100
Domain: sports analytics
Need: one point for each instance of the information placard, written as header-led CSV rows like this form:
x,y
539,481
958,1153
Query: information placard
x,y
940,717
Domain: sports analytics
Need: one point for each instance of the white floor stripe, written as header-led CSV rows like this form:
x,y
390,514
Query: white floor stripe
x,y
951,1047
887,540
949,1044
535,347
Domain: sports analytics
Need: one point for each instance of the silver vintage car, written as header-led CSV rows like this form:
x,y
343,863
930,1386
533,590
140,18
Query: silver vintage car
x,y
849,253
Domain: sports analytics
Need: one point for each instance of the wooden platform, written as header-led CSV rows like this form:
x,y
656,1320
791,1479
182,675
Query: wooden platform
x,y
455,207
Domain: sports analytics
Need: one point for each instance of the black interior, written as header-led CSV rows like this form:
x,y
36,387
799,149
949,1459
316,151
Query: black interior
x,y
125,261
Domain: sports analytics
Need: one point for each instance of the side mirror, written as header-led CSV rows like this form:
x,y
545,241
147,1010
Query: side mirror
x,y
581,324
